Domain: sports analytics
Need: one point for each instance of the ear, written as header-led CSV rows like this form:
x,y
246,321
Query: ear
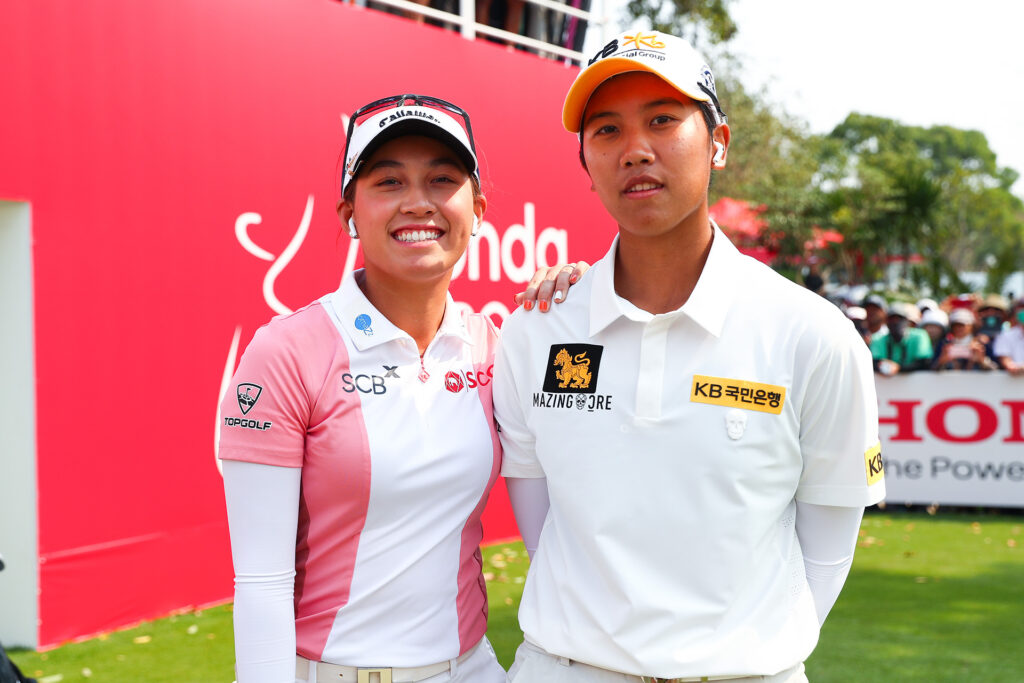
x,y
479,206
720,141
344,210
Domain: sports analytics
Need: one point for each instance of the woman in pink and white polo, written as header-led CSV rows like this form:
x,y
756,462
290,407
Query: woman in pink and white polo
x,y
359,444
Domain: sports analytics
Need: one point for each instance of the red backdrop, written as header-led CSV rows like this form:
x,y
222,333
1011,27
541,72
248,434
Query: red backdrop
x,y
141,133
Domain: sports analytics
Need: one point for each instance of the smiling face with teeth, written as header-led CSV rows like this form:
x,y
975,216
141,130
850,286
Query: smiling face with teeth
x,y
413,204
649,156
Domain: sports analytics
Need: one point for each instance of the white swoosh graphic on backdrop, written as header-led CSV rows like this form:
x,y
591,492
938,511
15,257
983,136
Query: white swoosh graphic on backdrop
x,y
242,224
284,259
225,379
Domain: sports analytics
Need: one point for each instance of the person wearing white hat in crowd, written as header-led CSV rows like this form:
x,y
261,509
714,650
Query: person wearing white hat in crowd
x,y
359,448
1009,345
859,316
935,322
927,304
722,419
963,349
993,314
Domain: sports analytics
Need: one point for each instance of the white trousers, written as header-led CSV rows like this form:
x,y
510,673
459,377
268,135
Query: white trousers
x,y
480,667
534,665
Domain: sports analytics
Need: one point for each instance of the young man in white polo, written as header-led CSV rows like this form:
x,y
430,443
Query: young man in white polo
x,y
691,439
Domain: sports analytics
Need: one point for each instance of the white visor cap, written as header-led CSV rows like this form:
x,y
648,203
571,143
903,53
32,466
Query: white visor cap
x,y
395,122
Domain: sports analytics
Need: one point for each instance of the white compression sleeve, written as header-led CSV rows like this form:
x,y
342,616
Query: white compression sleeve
x,y
529,498
263,512
828,538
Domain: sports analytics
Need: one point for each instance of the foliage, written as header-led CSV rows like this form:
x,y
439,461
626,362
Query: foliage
x,y
686,18
772,162
896,191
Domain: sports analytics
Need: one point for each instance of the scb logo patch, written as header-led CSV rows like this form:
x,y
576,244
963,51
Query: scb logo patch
x,y
573,368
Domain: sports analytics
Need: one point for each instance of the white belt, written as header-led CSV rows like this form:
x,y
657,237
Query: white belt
x,y
336,673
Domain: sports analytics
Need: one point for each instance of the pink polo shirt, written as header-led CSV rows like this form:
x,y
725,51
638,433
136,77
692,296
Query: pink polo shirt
x,y
397,459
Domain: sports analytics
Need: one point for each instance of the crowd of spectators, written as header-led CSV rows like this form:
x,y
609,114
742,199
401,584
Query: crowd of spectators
x,y
515,16
966,332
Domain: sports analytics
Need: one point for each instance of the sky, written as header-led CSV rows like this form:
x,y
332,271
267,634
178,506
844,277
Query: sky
x,y
920,62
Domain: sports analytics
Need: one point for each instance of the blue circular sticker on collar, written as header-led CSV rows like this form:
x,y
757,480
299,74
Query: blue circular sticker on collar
x,y
363,322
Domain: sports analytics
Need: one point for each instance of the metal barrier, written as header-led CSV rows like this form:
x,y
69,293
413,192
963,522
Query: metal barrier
x,y
470,28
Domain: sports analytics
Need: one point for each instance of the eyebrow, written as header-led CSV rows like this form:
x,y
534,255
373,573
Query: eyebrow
x,y
434,163
650,105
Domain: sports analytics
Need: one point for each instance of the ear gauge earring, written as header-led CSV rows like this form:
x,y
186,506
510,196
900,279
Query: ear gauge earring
x,y
476,226
352,229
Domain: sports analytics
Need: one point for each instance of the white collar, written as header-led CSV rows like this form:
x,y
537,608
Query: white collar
x,y
707,305
367,327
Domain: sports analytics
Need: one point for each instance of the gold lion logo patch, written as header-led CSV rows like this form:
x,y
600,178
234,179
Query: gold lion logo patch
x,y
575,371
572,368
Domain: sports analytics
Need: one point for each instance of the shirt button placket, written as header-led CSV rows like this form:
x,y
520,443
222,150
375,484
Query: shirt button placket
x,y
651,373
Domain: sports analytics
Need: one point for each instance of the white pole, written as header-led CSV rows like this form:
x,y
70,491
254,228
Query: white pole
x,y
467,10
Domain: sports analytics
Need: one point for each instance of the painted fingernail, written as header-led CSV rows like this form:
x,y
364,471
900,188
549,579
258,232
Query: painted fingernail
x,y
559,296
528,305
574,277
543,306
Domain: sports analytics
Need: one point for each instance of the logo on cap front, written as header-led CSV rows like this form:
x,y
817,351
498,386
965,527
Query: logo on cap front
x,y
401,113
641,41
632,46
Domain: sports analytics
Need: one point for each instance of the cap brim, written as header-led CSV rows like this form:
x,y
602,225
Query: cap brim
x,y
593,76
429,130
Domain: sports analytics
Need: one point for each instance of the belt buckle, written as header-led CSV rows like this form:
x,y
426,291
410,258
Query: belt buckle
x,y
383,675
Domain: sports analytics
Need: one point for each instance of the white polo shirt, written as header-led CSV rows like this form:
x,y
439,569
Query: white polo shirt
x,y
398,457
674,447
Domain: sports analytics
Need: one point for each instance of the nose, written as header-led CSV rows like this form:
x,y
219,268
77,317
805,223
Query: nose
x,y
637,151
417,202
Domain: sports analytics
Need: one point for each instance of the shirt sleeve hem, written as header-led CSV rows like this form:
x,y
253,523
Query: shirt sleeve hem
x,y
842,496
518,471
261,457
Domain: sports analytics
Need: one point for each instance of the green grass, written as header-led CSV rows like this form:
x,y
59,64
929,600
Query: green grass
x,y
193,647
930,598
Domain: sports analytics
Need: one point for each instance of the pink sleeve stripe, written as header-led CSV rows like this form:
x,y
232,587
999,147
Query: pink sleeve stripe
x,y
332,508
471,602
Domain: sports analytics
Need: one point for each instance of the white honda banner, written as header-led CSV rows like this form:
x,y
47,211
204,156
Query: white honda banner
x,y
953,438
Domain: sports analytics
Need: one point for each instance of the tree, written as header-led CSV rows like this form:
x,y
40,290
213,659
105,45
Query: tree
x,y
690,19
772,162
937,193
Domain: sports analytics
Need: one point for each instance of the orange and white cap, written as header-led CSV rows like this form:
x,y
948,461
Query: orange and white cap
x,y
670,58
